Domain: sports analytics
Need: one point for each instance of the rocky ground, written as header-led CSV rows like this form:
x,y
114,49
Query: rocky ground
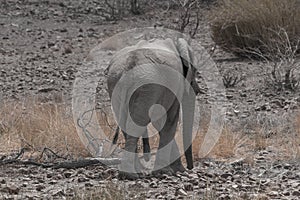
x,y
264,179
42,46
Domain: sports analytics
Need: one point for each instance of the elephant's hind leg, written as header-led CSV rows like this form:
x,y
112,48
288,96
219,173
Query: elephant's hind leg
x,y
127,169
168,150
146,146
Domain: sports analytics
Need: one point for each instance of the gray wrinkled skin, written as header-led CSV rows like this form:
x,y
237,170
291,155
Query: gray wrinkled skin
x,y
152,56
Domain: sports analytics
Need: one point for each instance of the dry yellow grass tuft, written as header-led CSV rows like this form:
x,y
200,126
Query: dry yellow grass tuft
x,y
226,146
35,125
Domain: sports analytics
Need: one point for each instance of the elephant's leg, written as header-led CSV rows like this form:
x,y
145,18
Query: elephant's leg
x,y
167,149
175,159
127,169
146,146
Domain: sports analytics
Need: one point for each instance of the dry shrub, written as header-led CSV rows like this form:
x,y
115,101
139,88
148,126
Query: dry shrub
x,y
260,142
227,144
268,28
278,133
296,140
38,125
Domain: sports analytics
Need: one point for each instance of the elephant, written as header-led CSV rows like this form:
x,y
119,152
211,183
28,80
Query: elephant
x,y
132,77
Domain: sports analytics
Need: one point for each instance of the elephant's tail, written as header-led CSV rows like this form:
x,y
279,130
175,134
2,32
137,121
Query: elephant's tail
x,y
188,106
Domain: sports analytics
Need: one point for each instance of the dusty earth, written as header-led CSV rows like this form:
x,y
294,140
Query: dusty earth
x,y
43,44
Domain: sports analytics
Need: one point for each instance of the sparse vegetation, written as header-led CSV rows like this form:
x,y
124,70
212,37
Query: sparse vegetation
x,y
284,74
116,9
34,126
232,78
189,16
259,28
268,30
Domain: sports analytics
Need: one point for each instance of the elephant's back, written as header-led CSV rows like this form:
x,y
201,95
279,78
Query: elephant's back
x,y
146,62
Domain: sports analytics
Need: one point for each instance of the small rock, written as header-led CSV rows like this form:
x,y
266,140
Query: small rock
x,y
188,186
224,196
243,94
235,186
68,50
230,114
88,184
226,175
67,174
286,193
273,193
12,189
229,96
153,184
58,177
236,112
40,187
82,179
181,192
58,192
296,193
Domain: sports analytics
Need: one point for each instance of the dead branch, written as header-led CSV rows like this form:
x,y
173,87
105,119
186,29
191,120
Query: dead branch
x,y
52,152
87,162
188,7
65,164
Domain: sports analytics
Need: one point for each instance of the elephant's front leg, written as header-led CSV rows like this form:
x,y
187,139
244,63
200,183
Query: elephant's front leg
x,y
127,169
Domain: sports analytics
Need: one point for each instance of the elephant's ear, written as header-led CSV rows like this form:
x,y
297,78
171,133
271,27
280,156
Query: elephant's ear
x,y
186,59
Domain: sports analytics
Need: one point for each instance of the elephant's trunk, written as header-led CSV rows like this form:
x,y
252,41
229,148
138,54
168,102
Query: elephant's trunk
x,y
188,107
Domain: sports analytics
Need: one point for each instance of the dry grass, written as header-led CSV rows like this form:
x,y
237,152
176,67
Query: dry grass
x,y
282,138
257,27
296,139
228,144
35,125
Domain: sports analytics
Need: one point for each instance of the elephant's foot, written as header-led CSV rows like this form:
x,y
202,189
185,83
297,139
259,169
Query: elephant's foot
x,y
177,166
147,156
146,150
129,176
166,170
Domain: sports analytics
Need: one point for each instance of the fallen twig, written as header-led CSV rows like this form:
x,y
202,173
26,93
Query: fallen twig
x,y
66,164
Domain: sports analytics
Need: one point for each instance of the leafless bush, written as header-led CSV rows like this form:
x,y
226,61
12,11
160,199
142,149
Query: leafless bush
x,y
232,77
284,75
189,16
115,9
285,66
